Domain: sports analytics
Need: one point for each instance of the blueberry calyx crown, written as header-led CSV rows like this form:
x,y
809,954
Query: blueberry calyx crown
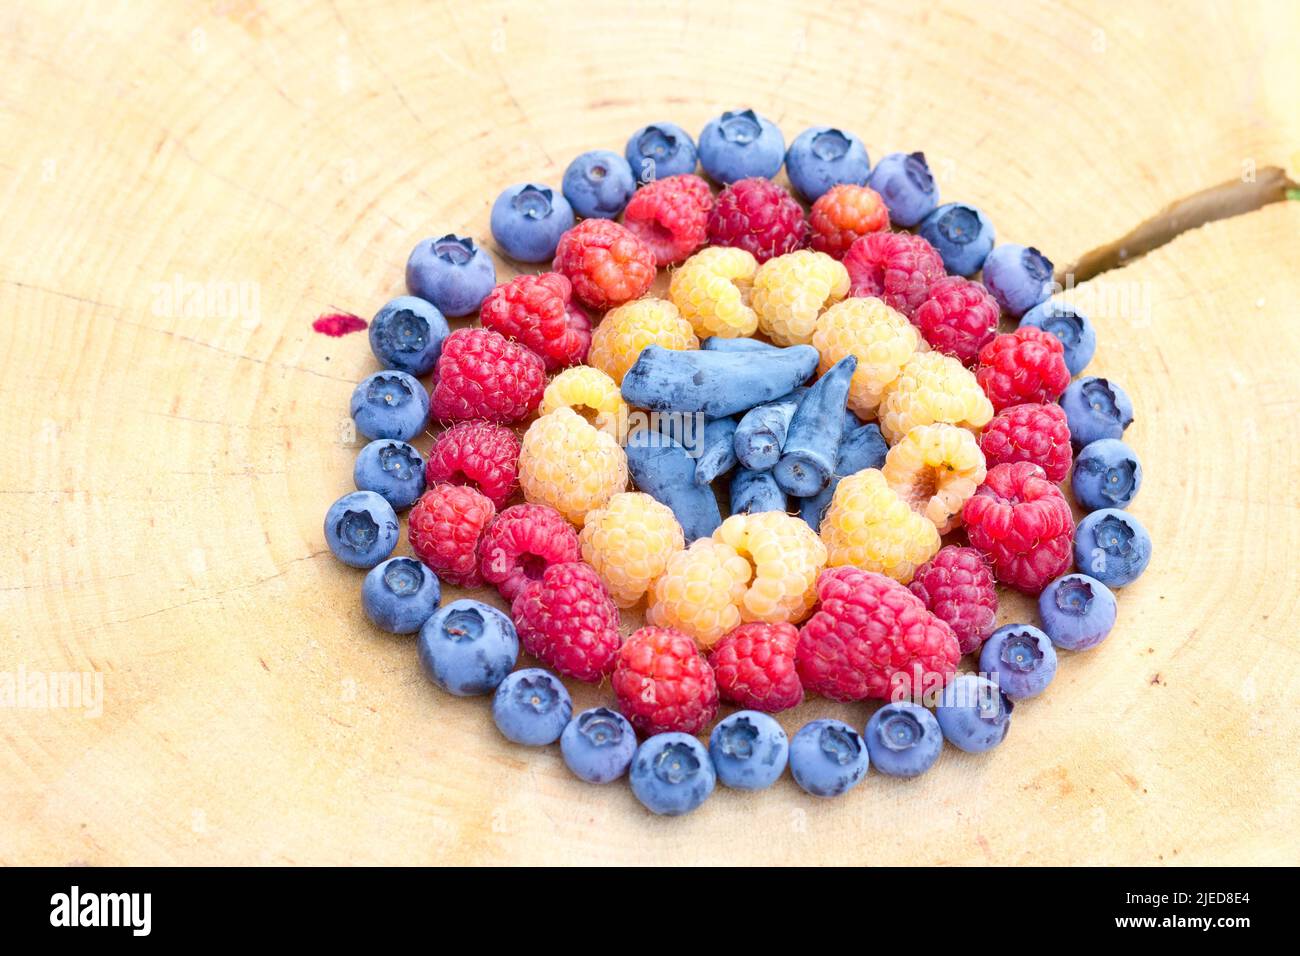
x,y
463,625
676,763
403,576
1101,398
918,171
1074,596
536,693
457,250
388,390
839,745
960,225
1021,653
738,738
533,202
992,706
655,143
1114,536
830,145
900,731
396,457
740,126
1036,265
358,529
601,727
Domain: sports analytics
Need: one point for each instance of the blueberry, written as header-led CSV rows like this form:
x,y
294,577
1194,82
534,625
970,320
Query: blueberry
x,y
740,144
749,750
400,594
821,157
391,469
407,335
468,647
1096,408
361,529
1077,611
903,739
1022,659
1018,278
672,774
905,184
660,150
452,272
1112,546
1107,474
962,235
828,757
528,220
974,714
598,184
390,405
1068,324
598,745
532,707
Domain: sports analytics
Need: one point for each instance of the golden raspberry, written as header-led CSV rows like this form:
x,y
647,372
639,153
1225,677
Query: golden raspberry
x,y
935,468
790,291
700,591
625,331
571,465
589,392
711,290
786,555
933,387
882,339
629,542
869,526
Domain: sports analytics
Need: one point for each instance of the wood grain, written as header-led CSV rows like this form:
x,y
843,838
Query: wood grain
x,y
187,185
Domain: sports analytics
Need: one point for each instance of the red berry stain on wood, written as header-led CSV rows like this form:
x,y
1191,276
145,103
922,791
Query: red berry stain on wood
x,y
335,324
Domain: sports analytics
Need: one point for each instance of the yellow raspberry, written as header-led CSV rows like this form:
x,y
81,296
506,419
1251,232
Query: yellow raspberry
x,y
868,525
935,468
589,392
571,465
629,542
881,339
786,555
700,591
790,291
711,289
625,331
933,387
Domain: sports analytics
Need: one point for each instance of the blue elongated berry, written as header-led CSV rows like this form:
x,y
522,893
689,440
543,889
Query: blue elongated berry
x,y
861,447
812,443
755,491
719,452
760,436
720,343
715,383
665,470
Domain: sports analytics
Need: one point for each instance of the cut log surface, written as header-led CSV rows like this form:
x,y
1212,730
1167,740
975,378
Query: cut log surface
x,y
186,187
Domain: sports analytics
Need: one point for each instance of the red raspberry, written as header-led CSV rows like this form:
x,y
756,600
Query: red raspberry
x,y
663,683
671,216
482,374
1027,365
1023,522
607,264
567,620
872,637
754,667
535,310
483,455
1037,433
958,318
758,216
957,586
895,266
444,529
844,214
521,543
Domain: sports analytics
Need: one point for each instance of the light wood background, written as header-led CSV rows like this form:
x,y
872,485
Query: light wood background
x,y
170,458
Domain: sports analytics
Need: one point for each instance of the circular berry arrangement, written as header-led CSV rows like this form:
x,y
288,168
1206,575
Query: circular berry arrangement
x,y
826,368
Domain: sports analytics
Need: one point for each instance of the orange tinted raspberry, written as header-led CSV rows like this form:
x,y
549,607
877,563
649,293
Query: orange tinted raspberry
x,y
607,264
843,214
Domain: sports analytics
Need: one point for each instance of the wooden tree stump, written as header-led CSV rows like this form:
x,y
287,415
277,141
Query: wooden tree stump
x,y
188,187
